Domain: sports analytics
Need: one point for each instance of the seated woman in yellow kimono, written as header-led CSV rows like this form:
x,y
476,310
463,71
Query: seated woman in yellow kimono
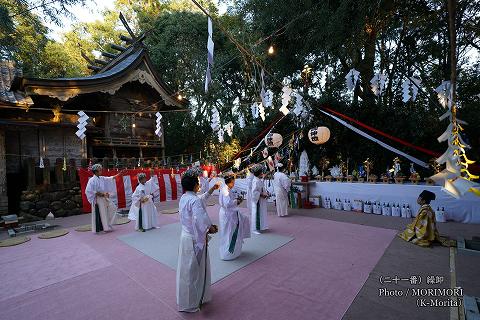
x,y
423,230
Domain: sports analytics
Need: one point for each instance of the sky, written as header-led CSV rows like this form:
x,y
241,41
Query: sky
x,y
90,12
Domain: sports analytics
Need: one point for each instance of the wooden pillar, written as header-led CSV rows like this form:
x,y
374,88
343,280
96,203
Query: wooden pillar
x,y
72,171
29,164
46,172
59,171
3,175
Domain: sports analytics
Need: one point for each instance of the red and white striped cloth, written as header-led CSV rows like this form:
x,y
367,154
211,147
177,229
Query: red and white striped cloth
x,y
122,187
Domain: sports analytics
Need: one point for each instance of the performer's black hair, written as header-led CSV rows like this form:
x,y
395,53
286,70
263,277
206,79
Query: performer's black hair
x,y
229,179
189,182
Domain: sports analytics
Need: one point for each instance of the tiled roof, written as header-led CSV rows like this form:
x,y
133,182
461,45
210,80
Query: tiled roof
x,y
8,71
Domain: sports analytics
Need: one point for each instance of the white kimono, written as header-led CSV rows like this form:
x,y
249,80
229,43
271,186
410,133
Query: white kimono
x,y
258,207
193,269
103,209
281,185
204,184
249,190
234,227
149,211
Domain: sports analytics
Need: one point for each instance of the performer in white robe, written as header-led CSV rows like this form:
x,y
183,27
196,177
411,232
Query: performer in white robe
x,y
193,269
249,190
143,210
204,182
281,185
258,201
234,226
98,194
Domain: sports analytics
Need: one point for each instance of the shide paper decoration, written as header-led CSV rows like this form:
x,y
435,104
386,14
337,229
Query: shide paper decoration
x,y
82,123
255,110
352,78
378,83
210,46
241,121
261,111
158,125
215,124
286,92
455,178
410,89
229,128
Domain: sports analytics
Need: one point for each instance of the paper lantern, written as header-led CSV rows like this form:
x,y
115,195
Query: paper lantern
x,y
319,135
273,140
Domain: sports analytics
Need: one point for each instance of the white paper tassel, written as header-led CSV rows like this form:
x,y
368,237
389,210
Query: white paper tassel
x,y
229,128
241,122
215,124
254,109
41,165
220,135
261,111
378,83
286,95
443,93
351,79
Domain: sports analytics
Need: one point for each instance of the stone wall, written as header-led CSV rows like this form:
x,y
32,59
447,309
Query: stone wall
x,y
35,205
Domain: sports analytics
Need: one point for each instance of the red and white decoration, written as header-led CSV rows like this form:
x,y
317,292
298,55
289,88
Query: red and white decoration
x,y
122,187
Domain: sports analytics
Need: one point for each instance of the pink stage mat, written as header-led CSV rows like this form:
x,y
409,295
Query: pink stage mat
x,y
316,276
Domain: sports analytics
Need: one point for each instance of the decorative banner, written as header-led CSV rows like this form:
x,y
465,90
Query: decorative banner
x,y
378,83
273,140
261,110
82,123
255,110
241,121
215,124
386,146
158,126
352,78
123,186
210,46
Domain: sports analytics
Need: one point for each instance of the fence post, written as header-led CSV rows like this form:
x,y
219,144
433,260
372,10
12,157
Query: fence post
x,y
59,171
46,172
30,170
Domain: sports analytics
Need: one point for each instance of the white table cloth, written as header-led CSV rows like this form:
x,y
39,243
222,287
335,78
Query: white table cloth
x,y
466,210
